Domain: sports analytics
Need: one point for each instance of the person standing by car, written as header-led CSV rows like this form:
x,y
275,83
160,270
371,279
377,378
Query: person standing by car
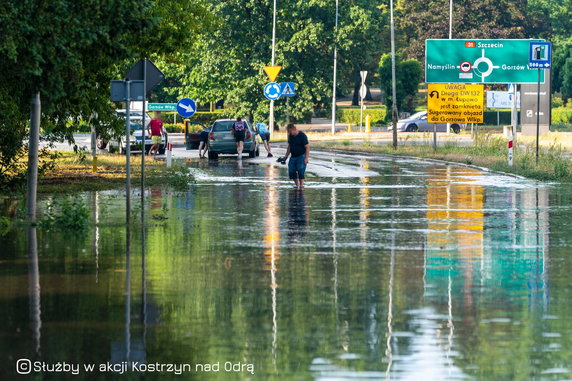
x,y
238,129
299,148
155,129
203,138
265,136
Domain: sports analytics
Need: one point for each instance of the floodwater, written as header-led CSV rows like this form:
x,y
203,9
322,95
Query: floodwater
x,y
379,269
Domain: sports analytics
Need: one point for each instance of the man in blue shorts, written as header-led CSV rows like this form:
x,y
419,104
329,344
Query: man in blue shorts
x,y
299,148
265,136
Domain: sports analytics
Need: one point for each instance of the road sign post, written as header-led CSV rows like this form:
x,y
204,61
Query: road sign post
x,y
540,57
272,72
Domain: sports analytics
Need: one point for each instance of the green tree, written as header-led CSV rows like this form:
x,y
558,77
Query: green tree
x,y
417,21
408,74
69,50
228,60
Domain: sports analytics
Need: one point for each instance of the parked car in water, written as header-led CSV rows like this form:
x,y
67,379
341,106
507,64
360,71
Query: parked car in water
x,y
418,122
136,122
221,139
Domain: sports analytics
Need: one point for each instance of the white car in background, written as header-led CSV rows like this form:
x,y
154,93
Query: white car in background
x,y
136,121
418,122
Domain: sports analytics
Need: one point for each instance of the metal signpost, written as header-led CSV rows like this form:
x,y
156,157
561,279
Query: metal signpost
x,y
540,57
127,91
146,71
478,61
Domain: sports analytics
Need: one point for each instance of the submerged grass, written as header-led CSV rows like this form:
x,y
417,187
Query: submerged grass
x,y
488,151
73,173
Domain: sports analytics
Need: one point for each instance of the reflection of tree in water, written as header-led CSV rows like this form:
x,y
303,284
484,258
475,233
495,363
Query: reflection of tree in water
x,y
298,219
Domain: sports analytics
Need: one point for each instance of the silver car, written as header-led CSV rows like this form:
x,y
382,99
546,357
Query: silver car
x,y
418,122
221,139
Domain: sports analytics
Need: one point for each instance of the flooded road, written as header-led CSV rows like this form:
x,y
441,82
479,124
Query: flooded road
x,y
379,269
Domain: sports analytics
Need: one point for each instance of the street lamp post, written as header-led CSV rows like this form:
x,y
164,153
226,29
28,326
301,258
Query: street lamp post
x,y
393,87
271,121
335,72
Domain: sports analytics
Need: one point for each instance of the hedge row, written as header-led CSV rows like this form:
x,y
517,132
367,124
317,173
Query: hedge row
x,y
562,115
502,119
352,115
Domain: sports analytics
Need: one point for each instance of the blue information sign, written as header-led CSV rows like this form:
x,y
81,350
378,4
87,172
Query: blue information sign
x,y
186,107
540,55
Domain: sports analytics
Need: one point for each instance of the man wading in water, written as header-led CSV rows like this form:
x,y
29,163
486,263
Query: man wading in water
x,y
299,148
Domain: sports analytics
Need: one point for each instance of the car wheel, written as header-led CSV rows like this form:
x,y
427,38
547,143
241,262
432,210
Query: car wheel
x,y
212,155
412,128
251,154
456,128
162,149
257,152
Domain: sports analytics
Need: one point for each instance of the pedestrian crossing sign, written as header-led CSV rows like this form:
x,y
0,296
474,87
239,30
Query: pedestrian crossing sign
x,y
288,89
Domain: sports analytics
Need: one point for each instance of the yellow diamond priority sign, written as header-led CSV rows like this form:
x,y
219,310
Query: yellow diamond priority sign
x,y
455,103
272,72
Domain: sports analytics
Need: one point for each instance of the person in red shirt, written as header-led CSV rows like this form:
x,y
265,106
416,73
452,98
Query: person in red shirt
x,y
155,129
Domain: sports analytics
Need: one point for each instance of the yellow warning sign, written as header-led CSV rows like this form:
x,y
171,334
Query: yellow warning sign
x,y
455,103
272,72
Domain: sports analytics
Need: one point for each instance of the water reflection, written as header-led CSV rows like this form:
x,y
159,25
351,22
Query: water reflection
x,y
34,288
298,218
272,246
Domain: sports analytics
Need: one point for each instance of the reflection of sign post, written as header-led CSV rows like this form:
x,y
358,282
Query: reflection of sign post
x,y
478,61
455,103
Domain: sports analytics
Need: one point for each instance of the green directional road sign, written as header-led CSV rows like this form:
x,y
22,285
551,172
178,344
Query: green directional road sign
x,y
479,61
162,107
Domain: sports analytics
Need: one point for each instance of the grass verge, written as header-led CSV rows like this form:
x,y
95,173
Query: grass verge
x,y
73,173
488,151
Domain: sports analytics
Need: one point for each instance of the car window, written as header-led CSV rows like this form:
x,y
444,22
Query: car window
x,y
418,115
223,126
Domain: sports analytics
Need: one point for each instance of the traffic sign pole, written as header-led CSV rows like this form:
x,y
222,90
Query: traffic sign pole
x,y
538,115
128,151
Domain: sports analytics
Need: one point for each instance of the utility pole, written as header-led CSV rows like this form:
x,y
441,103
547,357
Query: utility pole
x,y
271,121
335,71
33,144
143,136
394,90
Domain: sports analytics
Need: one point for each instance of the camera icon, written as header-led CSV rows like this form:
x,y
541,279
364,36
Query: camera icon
x,y
23,366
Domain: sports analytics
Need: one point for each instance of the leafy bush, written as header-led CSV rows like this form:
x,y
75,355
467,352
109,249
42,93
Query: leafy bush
x,y
503,118
208,118
351,115
174,127
562,115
